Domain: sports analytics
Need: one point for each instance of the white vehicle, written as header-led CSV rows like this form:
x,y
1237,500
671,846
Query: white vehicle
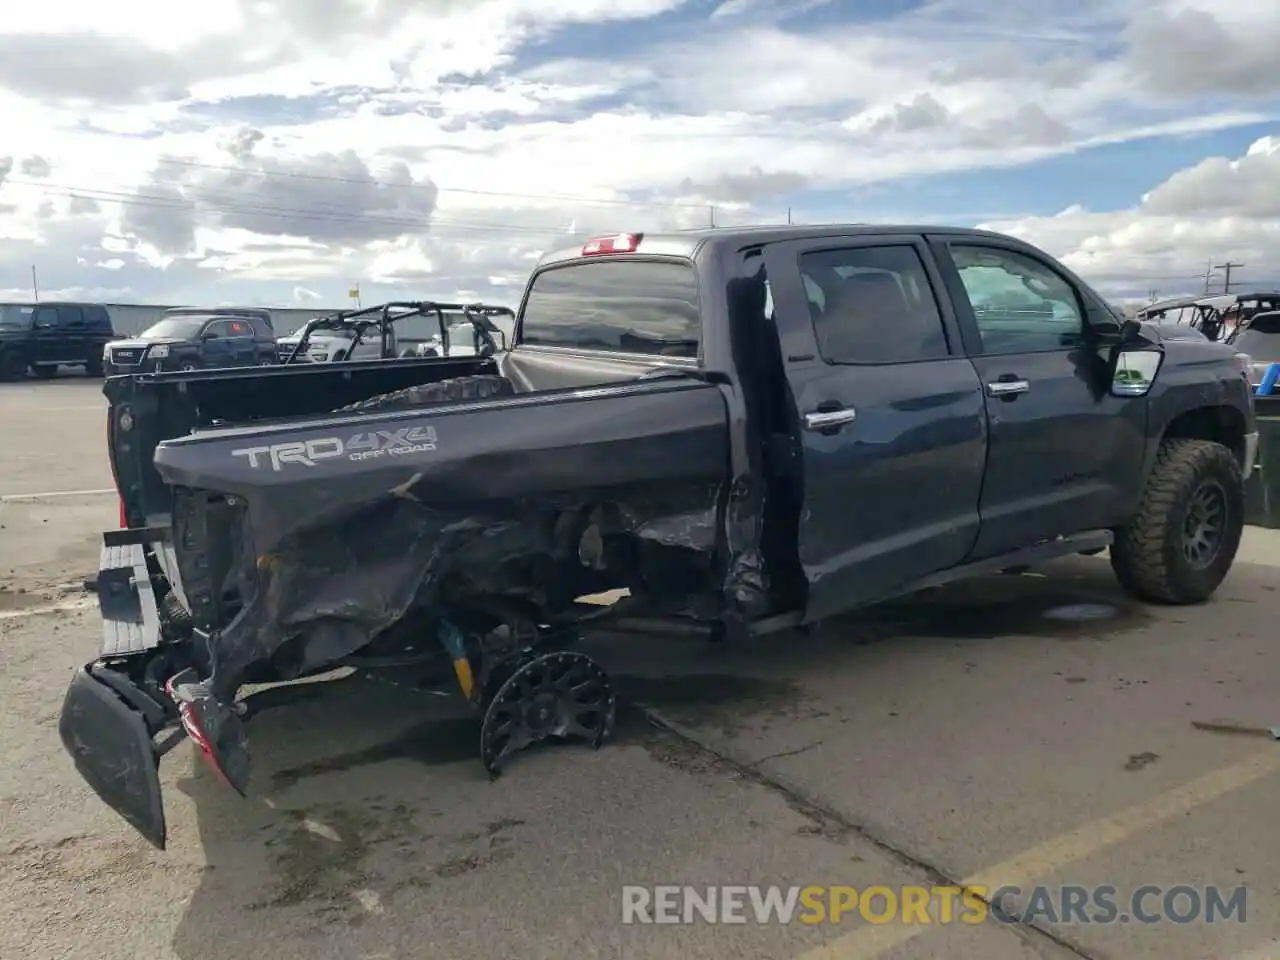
x,y
462,341
334,346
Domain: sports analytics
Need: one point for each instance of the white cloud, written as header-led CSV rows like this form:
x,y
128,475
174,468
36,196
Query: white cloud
x,y
1217,211
434,147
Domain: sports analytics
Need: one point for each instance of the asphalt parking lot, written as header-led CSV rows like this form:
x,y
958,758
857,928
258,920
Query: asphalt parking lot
x,y
1019,730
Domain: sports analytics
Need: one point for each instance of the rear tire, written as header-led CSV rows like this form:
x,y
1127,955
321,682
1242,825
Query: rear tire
x,y
1180,545
93,367
430,394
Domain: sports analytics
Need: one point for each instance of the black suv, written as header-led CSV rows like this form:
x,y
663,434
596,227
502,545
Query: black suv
x,y
43,336
194,341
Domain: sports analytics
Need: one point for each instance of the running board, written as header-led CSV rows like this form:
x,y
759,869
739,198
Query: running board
x,y
127,602
1089,540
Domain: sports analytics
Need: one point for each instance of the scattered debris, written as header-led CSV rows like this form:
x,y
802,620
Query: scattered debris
x,y
1139,760
1236,729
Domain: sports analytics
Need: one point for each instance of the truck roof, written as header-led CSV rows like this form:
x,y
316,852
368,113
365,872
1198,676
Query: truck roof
x,y
684,243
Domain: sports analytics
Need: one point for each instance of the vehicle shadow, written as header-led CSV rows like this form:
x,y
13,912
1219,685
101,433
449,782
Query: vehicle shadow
x,y
370,823
300,865
763,682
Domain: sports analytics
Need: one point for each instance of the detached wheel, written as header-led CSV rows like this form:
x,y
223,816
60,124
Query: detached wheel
x,y
1181,543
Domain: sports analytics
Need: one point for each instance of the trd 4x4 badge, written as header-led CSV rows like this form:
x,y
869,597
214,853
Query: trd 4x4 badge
x,y
360,446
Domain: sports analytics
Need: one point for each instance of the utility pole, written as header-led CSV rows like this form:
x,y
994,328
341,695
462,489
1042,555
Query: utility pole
x,y
788,216
35,283
1226,281
711,209
1208,273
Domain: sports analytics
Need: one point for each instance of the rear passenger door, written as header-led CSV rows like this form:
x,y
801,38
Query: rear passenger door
x,y
890,411
1065,455
216,347
243,346
73,334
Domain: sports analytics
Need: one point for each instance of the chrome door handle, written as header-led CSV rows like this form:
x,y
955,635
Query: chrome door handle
x,y
826,419
1007,388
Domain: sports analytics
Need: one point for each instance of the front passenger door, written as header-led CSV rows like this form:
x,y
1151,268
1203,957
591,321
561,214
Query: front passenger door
x,y
1065,456
48,343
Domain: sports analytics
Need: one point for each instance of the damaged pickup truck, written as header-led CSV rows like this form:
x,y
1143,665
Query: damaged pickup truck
x,y
748,430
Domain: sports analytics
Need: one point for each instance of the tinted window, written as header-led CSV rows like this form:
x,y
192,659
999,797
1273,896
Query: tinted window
x,y
46,316
1020,303
234,328
97,317
260,327
872,305
632,306
16,317
70,316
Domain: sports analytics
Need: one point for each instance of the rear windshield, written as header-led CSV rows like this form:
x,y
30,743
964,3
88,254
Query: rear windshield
x,y
632,306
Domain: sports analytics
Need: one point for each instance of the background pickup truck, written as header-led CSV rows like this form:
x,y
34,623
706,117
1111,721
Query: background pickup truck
x,y
746,428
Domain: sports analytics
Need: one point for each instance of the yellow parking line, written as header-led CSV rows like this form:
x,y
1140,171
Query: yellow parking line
x,y
1024,869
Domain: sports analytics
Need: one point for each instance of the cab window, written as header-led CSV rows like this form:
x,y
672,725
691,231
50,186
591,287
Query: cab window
x,y
1020,304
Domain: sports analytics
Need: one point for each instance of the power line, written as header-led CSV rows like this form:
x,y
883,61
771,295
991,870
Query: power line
x,y
369,181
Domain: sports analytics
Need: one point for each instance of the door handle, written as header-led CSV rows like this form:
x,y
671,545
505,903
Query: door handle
x,y
1007,388
829,419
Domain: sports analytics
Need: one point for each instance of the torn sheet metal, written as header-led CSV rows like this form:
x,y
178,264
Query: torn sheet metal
x,y
331,551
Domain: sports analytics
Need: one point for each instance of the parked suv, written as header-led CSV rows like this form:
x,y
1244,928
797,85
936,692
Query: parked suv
x,y
194,341
40,337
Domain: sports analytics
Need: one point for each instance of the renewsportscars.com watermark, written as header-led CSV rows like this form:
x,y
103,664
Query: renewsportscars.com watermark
x,y
927,905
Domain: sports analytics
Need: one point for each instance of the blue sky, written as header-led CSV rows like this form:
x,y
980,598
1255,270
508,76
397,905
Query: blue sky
x,y
283,150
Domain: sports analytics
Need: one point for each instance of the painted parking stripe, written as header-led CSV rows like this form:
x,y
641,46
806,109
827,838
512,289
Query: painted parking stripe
x,y
1045,859
54,494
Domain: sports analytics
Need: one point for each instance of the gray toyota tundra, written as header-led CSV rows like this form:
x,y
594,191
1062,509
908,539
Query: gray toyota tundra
x,y
745,430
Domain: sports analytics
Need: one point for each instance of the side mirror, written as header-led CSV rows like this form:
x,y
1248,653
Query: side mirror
x,y
1133,371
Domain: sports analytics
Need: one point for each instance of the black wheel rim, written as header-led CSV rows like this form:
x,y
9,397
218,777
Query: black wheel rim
x,y
559,695
1205,526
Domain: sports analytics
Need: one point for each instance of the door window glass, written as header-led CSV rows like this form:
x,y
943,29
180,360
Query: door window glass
x,y
873,305
1020,304
69,316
